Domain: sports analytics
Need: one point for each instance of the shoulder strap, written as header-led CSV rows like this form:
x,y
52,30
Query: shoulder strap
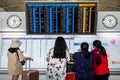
x,y
17,52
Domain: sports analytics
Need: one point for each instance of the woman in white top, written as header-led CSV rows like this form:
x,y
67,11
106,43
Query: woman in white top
x,y
57,58
15,56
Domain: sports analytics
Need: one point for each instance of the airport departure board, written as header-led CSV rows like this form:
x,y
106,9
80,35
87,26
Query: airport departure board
x,y
61,17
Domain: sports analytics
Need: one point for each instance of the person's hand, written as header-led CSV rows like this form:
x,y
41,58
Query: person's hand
x,y
47,59
31,59
71,59
115,62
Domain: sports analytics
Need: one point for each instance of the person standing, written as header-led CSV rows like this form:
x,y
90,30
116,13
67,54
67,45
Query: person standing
x,y
15,56
57,58
83,63
100,61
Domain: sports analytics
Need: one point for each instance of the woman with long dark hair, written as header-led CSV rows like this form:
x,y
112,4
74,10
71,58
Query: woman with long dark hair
x,y
83,63
100,61
56,58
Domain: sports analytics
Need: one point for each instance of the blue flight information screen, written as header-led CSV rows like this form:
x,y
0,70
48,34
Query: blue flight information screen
x,y
61,17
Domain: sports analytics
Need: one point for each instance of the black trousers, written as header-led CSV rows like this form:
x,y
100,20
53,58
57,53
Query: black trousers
x,y
102,77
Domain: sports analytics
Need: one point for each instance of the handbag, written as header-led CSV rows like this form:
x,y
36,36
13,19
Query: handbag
x,y
23,62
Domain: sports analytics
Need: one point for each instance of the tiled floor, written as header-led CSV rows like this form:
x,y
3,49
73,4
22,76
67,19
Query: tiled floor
x,y
43,77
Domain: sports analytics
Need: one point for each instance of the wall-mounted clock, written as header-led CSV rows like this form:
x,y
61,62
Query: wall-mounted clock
x,y
110,21
14,21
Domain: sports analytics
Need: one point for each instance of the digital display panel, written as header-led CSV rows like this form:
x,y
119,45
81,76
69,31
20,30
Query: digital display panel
x,y
61,17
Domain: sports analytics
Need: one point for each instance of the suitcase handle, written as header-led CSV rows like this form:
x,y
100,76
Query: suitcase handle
x,y
28,65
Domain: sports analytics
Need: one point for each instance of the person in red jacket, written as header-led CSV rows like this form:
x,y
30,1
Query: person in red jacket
x,y
100,61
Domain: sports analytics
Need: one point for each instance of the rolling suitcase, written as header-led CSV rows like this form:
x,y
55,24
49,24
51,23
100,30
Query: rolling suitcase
x,y
30,74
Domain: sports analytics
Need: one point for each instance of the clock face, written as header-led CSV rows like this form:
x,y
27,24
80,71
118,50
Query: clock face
x,y
14,21
109,21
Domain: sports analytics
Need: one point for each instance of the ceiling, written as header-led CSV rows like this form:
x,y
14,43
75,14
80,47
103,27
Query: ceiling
x,y
19,6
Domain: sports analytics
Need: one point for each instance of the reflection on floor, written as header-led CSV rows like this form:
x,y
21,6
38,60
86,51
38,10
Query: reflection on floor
x,y
43,77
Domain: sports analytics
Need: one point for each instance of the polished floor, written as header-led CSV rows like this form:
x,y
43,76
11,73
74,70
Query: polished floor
x,y
43,77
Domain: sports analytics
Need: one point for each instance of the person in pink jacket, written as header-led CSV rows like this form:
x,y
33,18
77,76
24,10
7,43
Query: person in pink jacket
x,y
15,56
100,61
